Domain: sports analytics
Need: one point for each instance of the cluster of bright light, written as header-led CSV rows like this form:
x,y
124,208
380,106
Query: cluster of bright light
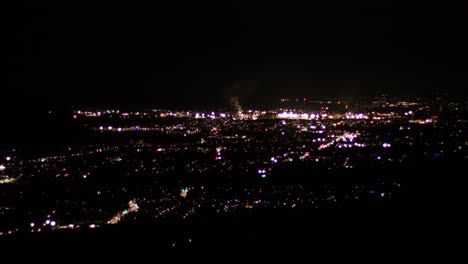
x,y
48,222
386,145
262,173
2,167
306,154
212,115
346,137
8,180
218,153
288,115
350,145
356,116
132,207
292,115
324,146
184,192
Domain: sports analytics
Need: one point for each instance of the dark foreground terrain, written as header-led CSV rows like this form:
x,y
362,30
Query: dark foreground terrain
x,y
427,219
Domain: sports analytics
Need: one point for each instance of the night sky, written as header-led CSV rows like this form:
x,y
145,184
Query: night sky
x,y
174,54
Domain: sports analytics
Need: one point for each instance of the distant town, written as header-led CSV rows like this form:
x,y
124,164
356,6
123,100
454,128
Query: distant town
x,y
172,164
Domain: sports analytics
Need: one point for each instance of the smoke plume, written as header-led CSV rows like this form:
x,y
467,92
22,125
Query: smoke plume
x,y
234,102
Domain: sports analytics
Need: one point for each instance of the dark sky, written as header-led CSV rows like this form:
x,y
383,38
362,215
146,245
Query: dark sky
x,y
177,54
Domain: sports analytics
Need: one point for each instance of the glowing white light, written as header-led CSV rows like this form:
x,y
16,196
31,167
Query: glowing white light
x,y
305,116
119,129
312,115
31,225
222,115
2,167
52,223
47,222
8,158
92,226
109,127
84,176
183,193
101,128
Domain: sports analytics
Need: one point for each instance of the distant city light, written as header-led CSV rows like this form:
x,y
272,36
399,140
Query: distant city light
x,y
2,167
184,192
